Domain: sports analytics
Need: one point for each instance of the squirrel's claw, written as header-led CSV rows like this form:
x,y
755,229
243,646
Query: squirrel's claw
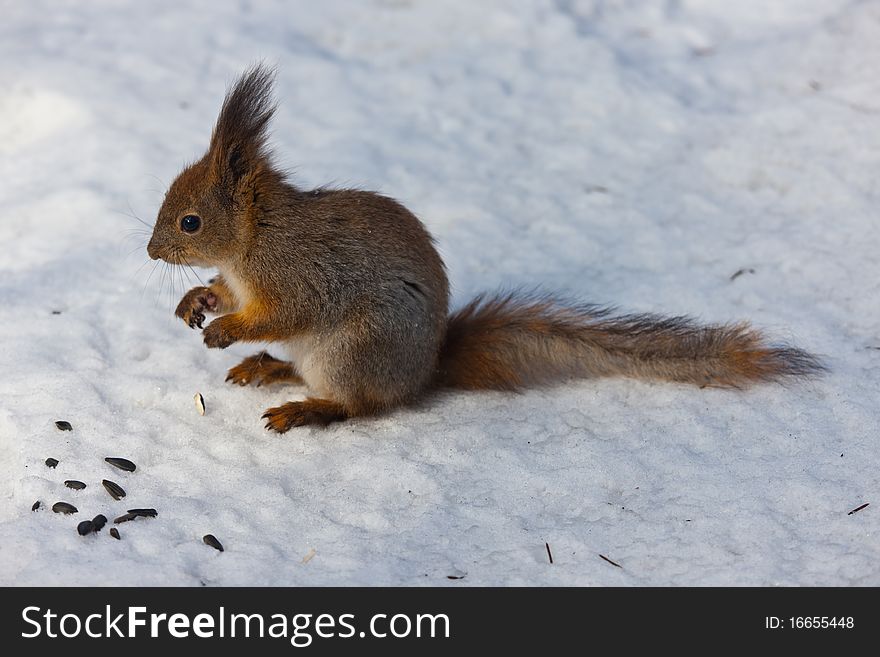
x,y
196,319
278,420
303,413
216,336
191,308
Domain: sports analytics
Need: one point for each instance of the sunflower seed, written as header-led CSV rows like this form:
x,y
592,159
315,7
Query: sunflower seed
x,y
115,533
144,513
210,539
36,505
122,464
74,484
99,521
125,518
51,462
85,527
63,507
116,491
200,403
63,425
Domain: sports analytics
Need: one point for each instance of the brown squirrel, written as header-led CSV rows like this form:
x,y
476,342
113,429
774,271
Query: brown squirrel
x,y
350,283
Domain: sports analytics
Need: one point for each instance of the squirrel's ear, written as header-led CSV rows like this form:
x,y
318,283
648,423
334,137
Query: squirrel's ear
x,y
238,143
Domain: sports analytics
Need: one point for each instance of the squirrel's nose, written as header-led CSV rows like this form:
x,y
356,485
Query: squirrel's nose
x,y
152,251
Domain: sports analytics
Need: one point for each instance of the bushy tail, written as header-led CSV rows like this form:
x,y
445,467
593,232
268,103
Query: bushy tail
x,y
510,341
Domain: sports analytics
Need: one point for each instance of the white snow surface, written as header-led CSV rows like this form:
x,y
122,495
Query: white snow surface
x,y
627,152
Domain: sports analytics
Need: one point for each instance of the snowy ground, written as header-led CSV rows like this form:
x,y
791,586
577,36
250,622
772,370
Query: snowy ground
x,y
630,152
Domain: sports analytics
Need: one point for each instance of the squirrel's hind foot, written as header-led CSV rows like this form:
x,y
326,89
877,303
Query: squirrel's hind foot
x,y
262,369
299,414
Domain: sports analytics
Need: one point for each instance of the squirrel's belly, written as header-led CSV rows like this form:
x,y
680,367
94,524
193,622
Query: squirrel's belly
x,y
238,287
302,350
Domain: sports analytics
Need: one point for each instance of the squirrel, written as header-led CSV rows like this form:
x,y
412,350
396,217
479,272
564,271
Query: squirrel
x,y
350,283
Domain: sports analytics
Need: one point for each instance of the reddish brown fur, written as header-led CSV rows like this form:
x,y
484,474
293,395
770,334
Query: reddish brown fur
x,y
299,414
262,369
349,282
255,322
511,341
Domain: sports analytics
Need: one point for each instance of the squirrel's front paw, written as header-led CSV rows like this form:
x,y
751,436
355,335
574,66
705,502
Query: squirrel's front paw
x,y
192,307
217,335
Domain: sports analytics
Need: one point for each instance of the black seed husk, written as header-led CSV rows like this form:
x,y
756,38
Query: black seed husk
x,y
99,521
36,505
115,533
122,464
74,484
85,527
63,507
210,539
125,518
51,462
136,513
63,425
116,491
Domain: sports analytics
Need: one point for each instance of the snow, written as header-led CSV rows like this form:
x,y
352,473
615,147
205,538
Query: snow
x,y
627,152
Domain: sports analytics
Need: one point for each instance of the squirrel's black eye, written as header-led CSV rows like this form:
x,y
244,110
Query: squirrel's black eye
x,y
190,223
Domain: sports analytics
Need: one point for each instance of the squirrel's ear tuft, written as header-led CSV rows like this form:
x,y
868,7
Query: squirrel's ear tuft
x,y
238,142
